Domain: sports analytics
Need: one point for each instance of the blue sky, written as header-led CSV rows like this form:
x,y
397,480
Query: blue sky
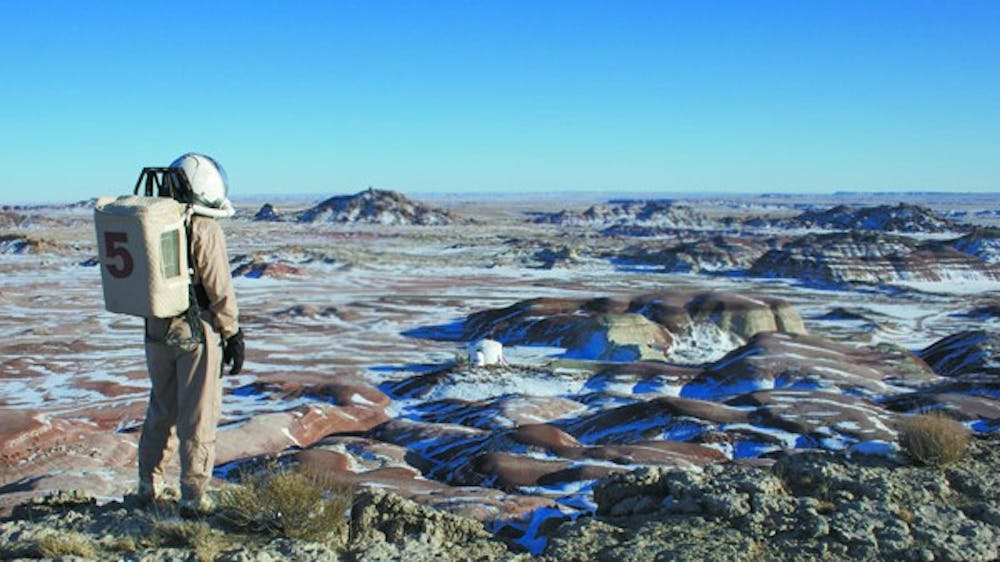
x,y
331,97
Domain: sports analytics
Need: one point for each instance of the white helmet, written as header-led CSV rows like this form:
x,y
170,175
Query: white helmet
x,y
209,184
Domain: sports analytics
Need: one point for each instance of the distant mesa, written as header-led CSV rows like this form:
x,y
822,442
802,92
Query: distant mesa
x,y
375,206
82,204
884,218
267,213
621,214
715,254
10,219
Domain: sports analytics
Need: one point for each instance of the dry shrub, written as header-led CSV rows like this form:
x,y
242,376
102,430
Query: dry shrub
x,y
196,535
933,439
64,544
282,502
121,544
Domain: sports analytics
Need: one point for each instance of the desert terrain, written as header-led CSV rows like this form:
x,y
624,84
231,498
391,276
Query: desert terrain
x,y
709,335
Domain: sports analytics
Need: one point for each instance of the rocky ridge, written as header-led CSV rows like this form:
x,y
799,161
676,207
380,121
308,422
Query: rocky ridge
x,y
618,214
871,258
806,506
902,217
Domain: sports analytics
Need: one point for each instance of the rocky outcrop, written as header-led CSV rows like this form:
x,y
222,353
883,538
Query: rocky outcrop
x,y
682,326
834,506
656,213
807,506
390,527
375,206
381,526
873,258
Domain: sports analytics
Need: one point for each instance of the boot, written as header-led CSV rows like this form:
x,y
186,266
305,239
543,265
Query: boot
x,y
196,508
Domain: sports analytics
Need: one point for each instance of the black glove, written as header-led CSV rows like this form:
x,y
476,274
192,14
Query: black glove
x,y
233,352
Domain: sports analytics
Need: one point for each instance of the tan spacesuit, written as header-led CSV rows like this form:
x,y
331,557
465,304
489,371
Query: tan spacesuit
x,y
185,369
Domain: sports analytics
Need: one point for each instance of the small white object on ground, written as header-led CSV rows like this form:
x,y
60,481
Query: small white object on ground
x,y
486,352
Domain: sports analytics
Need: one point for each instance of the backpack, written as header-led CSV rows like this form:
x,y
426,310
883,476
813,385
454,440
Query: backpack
x,y
144,249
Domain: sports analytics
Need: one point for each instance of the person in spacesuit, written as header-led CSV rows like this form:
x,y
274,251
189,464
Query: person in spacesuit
x,y
185,360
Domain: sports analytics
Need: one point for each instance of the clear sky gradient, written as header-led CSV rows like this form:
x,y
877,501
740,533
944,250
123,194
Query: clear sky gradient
x,y
331,97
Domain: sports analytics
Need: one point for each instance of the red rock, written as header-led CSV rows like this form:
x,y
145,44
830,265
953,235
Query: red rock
x,y
544,436
512,471
24,433
343,392
636,422
300,427
665,453
331,461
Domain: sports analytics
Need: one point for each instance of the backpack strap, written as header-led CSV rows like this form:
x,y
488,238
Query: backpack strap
x,y
193,314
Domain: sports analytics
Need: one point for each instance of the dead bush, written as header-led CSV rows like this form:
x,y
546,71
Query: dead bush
x,y
281,502
933,439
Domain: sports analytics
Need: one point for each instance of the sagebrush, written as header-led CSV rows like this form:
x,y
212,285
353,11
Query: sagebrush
x,y
63,544
283,502
933,439
205,542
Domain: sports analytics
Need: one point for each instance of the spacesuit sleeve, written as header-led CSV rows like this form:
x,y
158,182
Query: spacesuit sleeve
x,y
208,246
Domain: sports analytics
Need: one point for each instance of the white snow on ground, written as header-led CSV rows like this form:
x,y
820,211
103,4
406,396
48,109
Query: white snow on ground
x,y
874,447
959,286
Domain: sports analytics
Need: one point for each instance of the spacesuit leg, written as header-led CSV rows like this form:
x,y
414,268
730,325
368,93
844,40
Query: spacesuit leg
x,y
155,444
200,399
